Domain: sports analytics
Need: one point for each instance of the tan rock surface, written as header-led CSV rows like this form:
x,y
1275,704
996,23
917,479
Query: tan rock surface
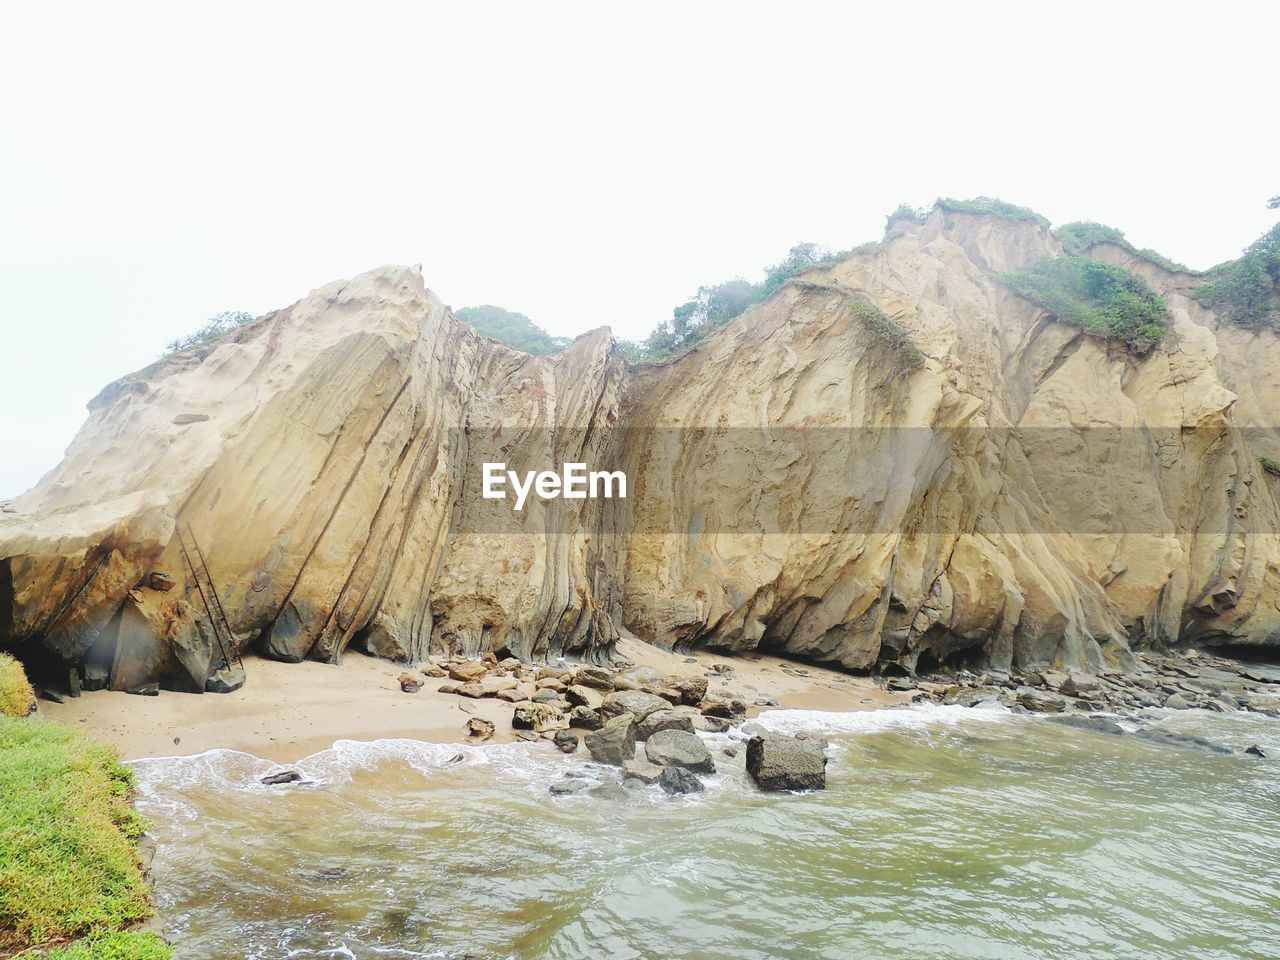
x,y
1023,494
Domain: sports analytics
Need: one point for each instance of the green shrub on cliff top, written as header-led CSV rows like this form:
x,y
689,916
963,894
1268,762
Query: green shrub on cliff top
x,y
68,838
1076,239
1247,291
513,329
17,699
1102,299
993,207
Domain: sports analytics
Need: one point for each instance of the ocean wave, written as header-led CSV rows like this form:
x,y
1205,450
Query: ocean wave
x,y
915,717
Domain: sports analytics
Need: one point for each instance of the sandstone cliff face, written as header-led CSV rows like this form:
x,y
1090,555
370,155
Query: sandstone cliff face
x,y
1015,493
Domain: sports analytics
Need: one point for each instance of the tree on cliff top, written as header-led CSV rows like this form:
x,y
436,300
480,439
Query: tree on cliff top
x,y
513,329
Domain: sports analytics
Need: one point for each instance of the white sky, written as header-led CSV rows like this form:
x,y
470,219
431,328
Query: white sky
x,y
586,164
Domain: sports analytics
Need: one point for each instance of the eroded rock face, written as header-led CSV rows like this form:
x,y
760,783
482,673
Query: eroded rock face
x,y
1018,493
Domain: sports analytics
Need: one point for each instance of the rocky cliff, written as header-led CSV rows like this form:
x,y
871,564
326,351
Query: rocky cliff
x,y
893,458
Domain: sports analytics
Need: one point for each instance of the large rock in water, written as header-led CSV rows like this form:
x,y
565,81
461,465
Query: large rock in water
x,y
779,762
615,742
679,748
327,459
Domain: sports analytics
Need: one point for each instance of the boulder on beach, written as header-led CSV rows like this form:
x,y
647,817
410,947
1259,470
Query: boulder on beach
x,y
537,717
584,718
638,703
663,720
615,742
776,761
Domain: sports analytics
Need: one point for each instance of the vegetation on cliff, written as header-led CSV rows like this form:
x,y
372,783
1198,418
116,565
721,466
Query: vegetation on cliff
x,y
1247,291
1102,299
513,329
991,207
714,306
17,699
1079,237
69,862
215,328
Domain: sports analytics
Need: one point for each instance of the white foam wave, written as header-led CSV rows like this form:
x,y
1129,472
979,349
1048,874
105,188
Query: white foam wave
x,y
916,717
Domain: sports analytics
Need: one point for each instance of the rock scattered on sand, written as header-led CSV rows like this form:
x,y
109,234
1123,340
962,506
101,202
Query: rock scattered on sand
x,y
479,729
409,683
282,776
537,717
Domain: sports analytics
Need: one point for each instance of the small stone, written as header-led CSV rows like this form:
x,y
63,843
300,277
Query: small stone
x,y
527,735
479,729
678,780
145,690
1256,751
409,683
566,741
1178,701
473,690
468,671
53,696
711,724
161,581
596,677
433,671
585,718
581,696
449,686
543,696
563,788
283,776
641,770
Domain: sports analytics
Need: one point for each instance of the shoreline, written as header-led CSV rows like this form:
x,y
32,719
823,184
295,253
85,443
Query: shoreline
x,y
288,711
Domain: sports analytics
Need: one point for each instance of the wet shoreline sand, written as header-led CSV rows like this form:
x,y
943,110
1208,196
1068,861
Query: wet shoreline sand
x,y
289,711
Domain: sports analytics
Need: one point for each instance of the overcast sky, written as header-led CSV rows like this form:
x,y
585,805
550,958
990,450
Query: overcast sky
x,y
586,164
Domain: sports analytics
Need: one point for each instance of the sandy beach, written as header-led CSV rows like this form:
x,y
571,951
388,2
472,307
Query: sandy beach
x,y
289,710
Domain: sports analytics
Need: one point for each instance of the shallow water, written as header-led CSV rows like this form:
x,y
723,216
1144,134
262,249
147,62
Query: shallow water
x,y
945,832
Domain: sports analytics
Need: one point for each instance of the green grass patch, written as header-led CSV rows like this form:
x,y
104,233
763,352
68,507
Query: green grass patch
x,y
992,207
1102,299
68,838
1079,237
1269,465
17,699
120,945
1247,291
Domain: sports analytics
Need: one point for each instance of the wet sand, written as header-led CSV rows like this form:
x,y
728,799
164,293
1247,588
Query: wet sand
x,y
288,711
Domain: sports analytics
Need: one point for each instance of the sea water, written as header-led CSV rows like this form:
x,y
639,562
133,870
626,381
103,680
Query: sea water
x,y
945,832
